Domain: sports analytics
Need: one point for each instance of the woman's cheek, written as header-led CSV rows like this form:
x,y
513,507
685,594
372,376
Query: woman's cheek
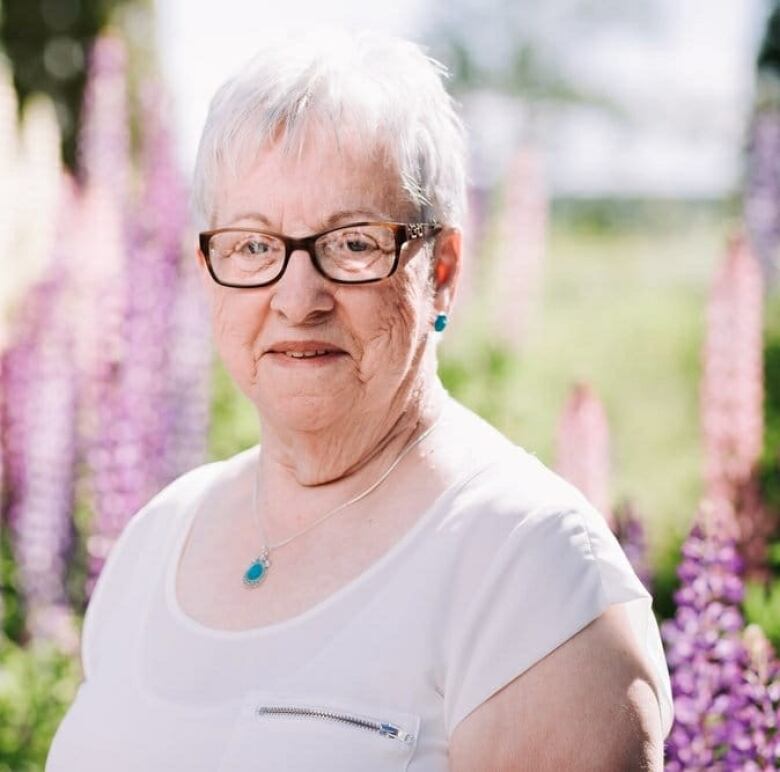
x,y
391,345
234,344
403,322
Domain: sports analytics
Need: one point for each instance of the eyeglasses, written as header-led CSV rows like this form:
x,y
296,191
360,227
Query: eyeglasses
x,y
358,253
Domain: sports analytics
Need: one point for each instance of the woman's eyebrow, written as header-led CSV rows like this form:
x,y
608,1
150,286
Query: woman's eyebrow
x,y
252,216
353,215
342,215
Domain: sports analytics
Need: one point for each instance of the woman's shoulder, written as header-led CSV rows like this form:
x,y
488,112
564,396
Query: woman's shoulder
x,y
517,508
533,562
189,487
510,483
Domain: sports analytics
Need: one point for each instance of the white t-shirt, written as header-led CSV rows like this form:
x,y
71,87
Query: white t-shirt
x,y
508,563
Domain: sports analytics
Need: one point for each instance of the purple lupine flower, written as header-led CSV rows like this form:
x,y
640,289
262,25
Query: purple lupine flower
x,y
724,711
38,420
39,428
189,373
150,278
764,676
630,532
176,318
8,160
582,448
147,374
732,399
104,164
104,132
103,426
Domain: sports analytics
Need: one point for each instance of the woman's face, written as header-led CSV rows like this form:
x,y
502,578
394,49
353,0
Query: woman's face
x,y
382,328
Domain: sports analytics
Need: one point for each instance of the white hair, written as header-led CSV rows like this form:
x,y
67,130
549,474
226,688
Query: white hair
x,y
385,91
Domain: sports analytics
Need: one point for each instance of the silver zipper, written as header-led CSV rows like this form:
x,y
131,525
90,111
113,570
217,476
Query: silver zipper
x,y
384,728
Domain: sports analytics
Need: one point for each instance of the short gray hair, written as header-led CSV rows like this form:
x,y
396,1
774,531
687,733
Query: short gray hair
x,y
386,89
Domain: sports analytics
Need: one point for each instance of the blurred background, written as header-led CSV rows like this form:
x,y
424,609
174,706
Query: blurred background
x,y
618,314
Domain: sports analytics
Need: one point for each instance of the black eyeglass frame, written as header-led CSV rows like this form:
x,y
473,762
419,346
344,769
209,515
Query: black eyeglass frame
x,y
404,232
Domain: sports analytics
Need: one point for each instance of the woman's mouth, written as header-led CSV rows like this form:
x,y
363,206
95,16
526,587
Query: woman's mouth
x,y
305,359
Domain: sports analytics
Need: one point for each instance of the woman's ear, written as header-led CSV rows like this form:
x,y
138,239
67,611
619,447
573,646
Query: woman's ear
x,y
446,266
203,268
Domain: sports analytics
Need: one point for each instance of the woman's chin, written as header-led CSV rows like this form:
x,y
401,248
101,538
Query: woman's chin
x,y
304,413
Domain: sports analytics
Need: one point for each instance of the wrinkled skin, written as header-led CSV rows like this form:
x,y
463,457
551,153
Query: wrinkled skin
x,y
329,432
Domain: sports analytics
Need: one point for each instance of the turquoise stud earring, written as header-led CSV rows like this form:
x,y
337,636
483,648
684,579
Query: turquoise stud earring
x,y
440,323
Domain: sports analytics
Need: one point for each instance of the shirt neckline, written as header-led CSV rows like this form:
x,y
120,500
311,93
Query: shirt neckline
x,y
320,607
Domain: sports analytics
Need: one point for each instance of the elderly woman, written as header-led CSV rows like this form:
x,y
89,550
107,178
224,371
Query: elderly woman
x,y
387,582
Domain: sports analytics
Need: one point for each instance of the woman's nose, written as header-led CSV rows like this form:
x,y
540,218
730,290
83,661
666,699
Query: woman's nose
x,y
302,291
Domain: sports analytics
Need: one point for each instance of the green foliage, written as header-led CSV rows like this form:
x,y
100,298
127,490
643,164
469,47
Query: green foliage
x,y
12,603
479,379
610,218
234,423
47,44
770,458
769,54
665,579
79,559
762,606
762,601
37,685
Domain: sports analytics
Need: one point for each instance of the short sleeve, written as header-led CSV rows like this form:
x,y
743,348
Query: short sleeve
x,y
555,572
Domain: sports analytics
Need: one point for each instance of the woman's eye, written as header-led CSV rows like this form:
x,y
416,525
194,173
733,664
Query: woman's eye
x,y
356,245
355,242
255,248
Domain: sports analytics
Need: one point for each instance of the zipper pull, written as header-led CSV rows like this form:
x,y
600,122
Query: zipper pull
x,y
391,730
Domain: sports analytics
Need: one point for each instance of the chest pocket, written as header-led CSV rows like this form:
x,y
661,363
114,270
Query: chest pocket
x,y
307,734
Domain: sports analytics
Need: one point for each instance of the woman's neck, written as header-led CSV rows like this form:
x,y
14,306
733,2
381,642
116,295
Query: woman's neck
x,y
303,475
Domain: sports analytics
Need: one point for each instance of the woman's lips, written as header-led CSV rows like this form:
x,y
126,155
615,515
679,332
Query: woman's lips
x,y
321,360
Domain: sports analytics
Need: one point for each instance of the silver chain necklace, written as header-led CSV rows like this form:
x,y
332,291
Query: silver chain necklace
x,y
259,567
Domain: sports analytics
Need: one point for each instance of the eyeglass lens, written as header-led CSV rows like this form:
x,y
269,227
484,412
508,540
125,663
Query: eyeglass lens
x,y
352,253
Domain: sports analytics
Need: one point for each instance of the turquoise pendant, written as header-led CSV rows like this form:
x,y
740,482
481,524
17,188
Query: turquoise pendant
x,y
257,570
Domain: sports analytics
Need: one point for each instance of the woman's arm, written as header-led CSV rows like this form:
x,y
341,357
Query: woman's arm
x,y
591,704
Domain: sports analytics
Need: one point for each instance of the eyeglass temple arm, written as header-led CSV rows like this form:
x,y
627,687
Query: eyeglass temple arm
x,y
419,230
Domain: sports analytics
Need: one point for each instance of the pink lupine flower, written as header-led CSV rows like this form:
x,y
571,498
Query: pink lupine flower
x,y
103,427
189,374
153,253
732,398
103,150
178,311
104,164
582,448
